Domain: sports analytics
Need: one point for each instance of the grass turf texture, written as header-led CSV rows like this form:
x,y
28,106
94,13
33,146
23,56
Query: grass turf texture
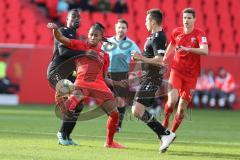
x,y
29,133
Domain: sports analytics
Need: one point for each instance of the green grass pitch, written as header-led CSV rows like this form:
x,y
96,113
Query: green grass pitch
x,y
29,133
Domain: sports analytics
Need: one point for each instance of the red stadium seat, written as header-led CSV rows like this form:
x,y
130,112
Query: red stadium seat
x,y
152,4
63,17
84,27
52,8
180,5
98,17
40,1
128,18
86,15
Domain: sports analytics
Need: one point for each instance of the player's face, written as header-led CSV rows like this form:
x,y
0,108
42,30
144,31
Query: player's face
x,y
121,29
73,19
148,23
94,37
188,20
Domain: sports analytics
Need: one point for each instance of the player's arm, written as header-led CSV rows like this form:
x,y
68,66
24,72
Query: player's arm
x,y
70,43
107,80
159,46
203,46
65,51
170,49
156,61
68,53
58,35
202,50
110,82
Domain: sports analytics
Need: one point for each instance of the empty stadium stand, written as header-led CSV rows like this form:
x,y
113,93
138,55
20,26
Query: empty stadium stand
x,y
23,22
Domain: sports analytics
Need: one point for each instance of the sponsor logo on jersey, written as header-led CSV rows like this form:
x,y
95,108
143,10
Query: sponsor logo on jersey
x,y
193,39
204,39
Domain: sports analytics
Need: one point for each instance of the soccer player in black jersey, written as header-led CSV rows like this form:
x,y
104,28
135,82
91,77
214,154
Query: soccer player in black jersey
x,y
61,67
151,59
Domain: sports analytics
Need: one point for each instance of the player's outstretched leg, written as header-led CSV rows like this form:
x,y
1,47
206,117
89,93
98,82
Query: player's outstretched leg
x,y
166,136
112,124
67,105
68,125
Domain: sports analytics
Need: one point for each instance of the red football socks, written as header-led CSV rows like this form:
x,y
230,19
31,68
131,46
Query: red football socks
x,y
112,124
167,113
71,103
177,121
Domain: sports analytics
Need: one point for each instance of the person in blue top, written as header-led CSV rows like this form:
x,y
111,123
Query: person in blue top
x,y
119,49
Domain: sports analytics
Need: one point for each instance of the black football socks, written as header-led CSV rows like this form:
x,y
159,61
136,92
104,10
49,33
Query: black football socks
x,y
153,123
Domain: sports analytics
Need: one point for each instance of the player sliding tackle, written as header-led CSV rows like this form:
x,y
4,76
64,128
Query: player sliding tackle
x,y
91,69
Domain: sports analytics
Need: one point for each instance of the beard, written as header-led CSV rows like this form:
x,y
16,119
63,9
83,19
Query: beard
x,y
76,25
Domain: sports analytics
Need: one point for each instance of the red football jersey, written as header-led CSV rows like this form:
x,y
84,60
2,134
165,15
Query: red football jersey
x,y
90,67
187,63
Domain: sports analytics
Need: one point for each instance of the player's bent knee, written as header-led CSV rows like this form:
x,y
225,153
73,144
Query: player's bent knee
x,y
137,111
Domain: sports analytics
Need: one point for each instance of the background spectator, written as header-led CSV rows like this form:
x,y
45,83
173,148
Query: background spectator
x,y
6,86
87,5
205,84
226,86
63,6
120,7
73,4
104,6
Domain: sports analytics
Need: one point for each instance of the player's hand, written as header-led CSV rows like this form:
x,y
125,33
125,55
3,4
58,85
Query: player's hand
x,y
182,48
52,26
136,56
165,61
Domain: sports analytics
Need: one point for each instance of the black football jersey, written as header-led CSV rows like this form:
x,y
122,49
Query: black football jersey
x,y
57,58
155,45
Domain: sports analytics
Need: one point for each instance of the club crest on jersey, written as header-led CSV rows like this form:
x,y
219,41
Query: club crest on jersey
x,y
193,39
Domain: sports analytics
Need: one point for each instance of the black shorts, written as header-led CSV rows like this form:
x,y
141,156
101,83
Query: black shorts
x,y
56,74
117,90
147,93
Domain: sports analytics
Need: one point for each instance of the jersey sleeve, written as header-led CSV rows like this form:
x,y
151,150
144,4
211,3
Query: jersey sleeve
x,y
172,40
201,38
159,45
106,62
78,45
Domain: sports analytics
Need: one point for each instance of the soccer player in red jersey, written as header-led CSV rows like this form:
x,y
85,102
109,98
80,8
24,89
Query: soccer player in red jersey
x,y
91,70
189,44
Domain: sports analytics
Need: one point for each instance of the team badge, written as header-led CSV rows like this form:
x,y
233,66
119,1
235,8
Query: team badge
x,y
204,39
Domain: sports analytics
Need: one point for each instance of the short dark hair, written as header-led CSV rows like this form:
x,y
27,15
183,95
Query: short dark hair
x,y
98,26
72,11
190,10
156,14
122,21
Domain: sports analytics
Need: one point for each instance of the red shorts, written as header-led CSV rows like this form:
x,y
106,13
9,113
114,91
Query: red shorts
x,y
185,85
97,90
